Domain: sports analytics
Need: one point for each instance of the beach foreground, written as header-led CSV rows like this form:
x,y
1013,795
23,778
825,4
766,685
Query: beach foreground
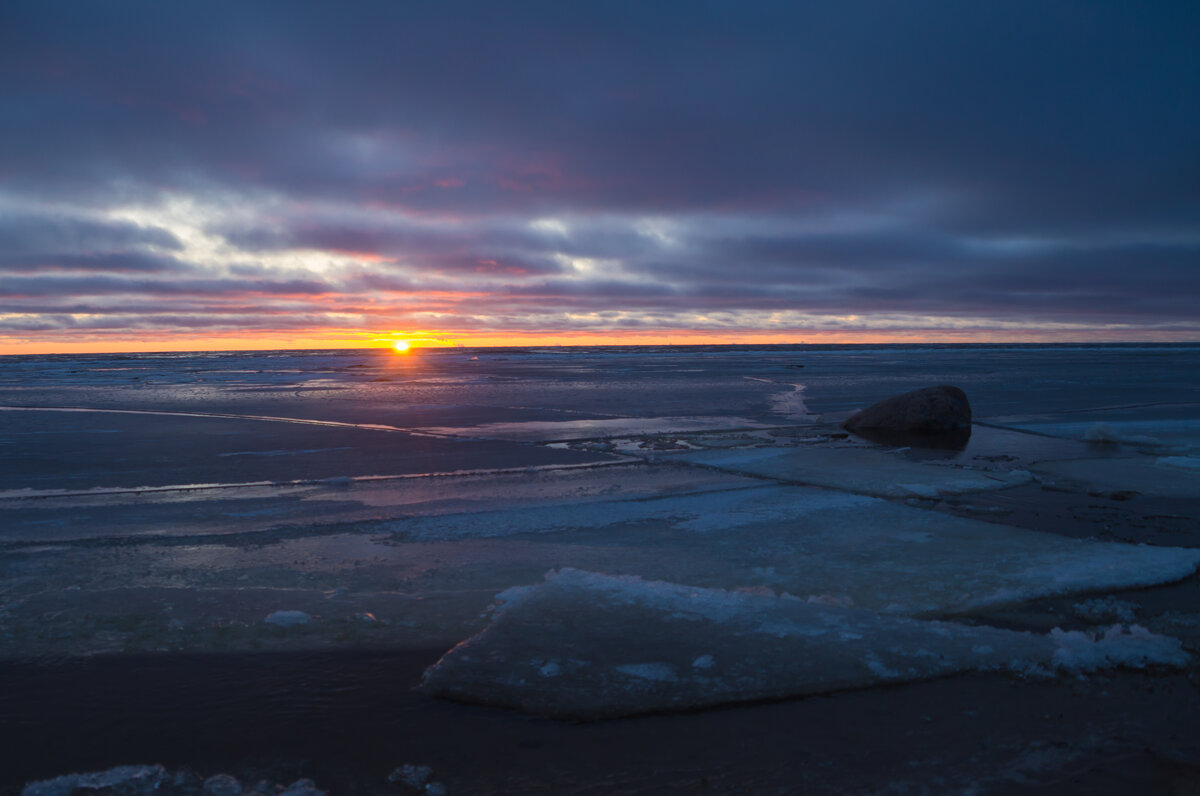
x,y
673,572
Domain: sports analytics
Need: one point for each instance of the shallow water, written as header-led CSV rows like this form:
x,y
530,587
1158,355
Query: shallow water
x,y
147,534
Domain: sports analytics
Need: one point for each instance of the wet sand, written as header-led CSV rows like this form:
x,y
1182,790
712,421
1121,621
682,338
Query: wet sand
x,y
348,719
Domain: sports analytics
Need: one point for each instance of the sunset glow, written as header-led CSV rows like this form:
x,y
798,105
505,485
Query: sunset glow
x,y
320,185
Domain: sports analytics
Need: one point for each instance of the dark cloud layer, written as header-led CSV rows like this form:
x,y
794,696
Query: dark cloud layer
x,y
508,163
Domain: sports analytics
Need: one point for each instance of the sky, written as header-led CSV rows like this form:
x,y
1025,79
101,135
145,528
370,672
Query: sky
x,y
222,175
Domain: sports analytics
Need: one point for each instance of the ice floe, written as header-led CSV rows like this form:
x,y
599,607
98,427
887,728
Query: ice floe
x,y
222,785
547,430
1106,609
1134,647
131,780
1105,432
288,618
623,645
414,777
863,470
427,578
156,511
1191,463
1171,476
144,780
873,553
1166,434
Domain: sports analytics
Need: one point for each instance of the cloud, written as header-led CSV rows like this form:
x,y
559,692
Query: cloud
x,y
663,163
41,286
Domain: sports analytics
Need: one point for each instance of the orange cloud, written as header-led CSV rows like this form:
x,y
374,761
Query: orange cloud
x,y
121,341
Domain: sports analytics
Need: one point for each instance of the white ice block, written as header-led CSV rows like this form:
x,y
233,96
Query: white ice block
x,y
584,646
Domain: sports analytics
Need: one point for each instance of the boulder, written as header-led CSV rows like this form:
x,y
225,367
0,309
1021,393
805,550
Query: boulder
x,y
932,416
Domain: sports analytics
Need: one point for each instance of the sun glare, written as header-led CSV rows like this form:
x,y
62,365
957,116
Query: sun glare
x,y
400,345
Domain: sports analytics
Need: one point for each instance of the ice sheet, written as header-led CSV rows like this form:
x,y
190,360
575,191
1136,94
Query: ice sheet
x,y
1167,476
835,547
868,552
545,431
866,471
252,509
163,449
586,646
1180,435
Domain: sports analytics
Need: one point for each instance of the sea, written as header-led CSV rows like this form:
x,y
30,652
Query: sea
x,y
589,570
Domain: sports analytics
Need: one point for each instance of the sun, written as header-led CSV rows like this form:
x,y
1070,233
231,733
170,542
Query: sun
x,y
400,345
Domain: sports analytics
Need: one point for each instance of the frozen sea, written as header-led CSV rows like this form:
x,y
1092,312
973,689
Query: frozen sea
x,y
601,570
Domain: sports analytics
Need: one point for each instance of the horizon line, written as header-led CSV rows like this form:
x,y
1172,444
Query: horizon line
x,y
461,347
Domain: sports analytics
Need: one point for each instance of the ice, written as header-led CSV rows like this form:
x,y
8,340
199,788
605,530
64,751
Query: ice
x,y
835,546
1135,647
1103,609
1105,432
712,507
426,579
1165,434
222,785
423,530
176,512
148,780
1161,476
411,776
791,404
1191,463
129,780
875,554
657,671
636,646
288,618
862,470
417,779
544,431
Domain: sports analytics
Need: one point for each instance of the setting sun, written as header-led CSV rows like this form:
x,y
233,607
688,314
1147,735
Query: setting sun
x,y
400,345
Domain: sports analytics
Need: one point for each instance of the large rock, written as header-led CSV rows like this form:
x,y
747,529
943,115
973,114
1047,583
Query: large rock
x,y
933,416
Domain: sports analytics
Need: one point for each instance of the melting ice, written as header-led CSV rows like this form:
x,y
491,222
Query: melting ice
x,y
585,646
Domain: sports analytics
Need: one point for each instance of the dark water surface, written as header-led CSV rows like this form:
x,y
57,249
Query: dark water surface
x,y
72,700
